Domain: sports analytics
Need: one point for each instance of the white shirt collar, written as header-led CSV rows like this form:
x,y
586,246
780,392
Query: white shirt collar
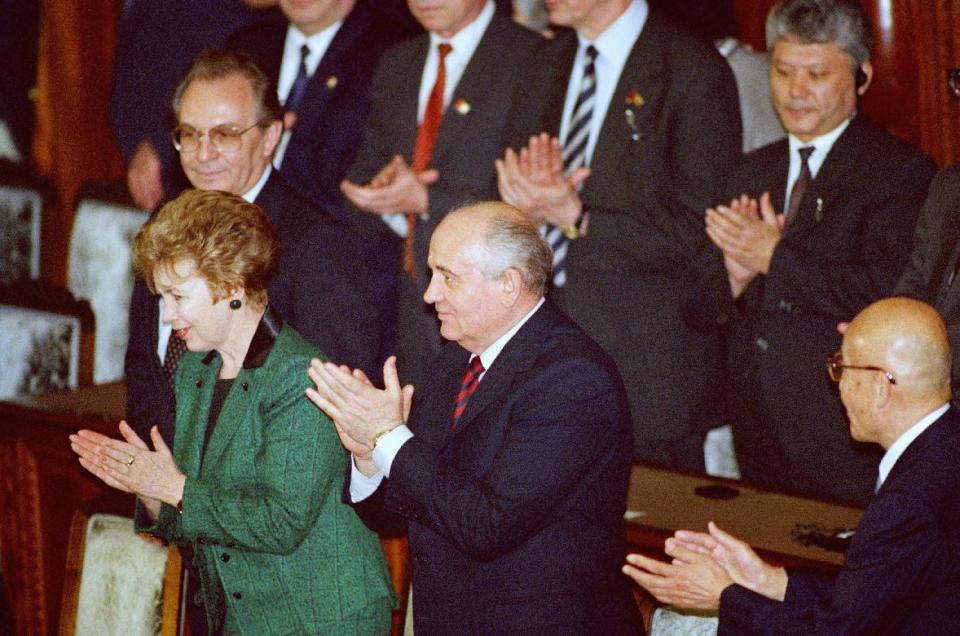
x,y
615,43
822,146
467,38
903,442
318,43
251,195
488,355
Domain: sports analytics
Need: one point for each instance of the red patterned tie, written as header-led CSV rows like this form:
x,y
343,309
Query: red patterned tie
x,y
423,147
469,384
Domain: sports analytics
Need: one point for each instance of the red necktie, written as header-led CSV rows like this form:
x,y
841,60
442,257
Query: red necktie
x,y
799,186
469,384
423,146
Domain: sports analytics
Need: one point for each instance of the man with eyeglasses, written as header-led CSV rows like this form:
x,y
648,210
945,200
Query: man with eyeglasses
x,y
901,574
229,123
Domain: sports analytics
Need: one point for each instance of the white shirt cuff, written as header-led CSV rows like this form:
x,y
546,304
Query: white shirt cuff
x,y
397,223
388,446
362,486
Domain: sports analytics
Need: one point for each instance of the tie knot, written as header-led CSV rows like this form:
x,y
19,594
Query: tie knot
x,y
304,53
592,54
476,367
805,153
444,50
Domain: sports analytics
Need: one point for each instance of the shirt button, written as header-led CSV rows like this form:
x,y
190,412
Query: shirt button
x,y
245,386
224,557
237,595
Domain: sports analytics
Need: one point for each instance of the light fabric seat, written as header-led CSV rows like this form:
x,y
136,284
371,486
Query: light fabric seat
x,y
100,270
667,622
117,582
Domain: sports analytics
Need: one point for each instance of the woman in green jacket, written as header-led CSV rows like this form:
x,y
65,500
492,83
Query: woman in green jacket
x,y
253,483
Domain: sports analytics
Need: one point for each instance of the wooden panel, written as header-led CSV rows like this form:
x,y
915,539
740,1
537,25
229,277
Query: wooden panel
x,y
72,141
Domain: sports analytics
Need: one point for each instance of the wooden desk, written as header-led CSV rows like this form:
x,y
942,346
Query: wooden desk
x,y
666,502
41,485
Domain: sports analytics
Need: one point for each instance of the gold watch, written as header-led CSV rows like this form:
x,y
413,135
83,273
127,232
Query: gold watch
x,y
575,231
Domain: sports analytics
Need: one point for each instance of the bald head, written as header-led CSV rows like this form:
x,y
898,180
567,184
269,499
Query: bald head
x,y
906,339
502,237
909,339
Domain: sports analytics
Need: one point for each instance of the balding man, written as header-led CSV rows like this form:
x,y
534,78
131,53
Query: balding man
x,y
902,570
511,469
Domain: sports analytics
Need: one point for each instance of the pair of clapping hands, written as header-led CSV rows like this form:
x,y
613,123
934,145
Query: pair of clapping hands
x,y
702,566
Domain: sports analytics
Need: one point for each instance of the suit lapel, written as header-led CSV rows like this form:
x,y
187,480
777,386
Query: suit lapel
x,y
640,90
477,86
329,73
192,407
406,99
516,358
566,51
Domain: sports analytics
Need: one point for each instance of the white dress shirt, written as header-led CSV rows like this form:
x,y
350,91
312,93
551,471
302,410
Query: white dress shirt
x,y
389,445
613,48
821,148
903,442
464,43
318,43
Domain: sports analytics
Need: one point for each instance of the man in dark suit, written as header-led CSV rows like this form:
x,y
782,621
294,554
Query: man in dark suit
x,y
641,123
511,477
229,125
327,107
434,130
156,42
931,275
902,570
779,284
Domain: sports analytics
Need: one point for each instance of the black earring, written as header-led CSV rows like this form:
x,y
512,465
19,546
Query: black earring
x,y
235,303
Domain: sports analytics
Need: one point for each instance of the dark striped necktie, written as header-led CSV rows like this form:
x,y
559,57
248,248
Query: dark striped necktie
x,y
299,87
799,186
574,155
469,384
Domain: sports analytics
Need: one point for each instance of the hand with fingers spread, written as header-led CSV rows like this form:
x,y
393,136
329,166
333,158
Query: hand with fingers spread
x,y
737,558
692,580
395,189
129,465
359,410
533,180
746,238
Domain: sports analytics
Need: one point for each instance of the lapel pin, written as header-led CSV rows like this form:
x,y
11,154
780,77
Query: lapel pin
x,y
634,98
818,213
632,123
462,106
332,82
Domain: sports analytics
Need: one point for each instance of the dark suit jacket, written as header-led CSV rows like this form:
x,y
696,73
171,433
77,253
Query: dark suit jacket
x,y
516,518
332,112
902,571
931,275
319,288
846,248
646,198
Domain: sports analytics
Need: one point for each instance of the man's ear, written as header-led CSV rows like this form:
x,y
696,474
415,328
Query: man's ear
x,y
511,284
863,76
271,137
882,389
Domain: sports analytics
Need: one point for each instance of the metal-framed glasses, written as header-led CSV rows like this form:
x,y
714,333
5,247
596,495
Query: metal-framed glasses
x,y
835,368
224,138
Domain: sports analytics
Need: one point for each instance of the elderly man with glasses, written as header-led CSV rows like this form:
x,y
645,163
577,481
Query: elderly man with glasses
x,y
902,570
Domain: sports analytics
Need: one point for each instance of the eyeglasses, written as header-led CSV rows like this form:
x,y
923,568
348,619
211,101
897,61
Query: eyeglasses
x,y
224,138
835,368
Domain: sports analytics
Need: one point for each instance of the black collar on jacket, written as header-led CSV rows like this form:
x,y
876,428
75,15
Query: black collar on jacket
x,y
263,340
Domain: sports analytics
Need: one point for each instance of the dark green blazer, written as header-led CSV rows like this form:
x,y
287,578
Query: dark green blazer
x,y
274,545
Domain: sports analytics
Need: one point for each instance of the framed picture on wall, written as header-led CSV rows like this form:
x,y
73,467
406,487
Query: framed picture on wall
x,y
41,351
20,211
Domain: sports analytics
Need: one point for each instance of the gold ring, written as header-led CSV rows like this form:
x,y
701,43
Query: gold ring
x,y
129,462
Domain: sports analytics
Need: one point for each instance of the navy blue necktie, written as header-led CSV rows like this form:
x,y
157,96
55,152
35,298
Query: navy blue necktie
x,y
300,83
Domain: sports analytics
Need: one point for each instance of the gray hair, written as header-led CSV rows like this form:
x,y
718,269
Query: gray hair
x,y
512,242
842,22
216,64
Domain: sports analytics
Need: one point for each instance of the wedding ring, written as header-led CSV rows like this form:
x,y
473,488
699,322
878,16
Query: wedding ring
x,y
129,462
